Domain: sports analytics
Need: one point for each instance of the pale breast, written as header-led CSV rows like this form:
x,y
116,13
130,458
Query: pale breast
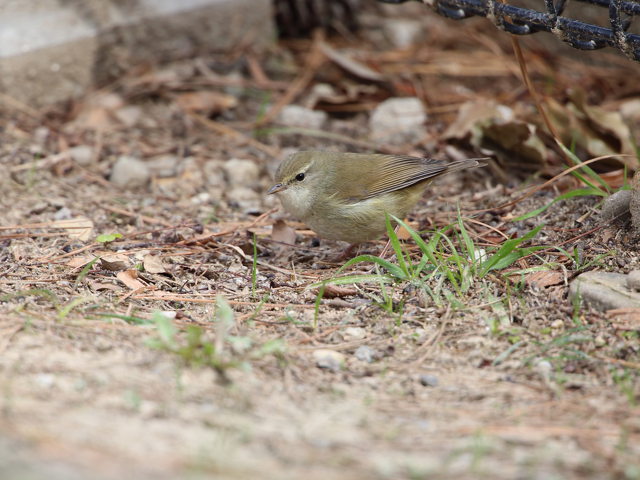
x,y
359,221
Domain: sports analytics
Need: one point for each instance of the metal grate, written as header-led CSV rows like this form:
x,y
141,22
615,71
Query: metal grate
x,y
524,21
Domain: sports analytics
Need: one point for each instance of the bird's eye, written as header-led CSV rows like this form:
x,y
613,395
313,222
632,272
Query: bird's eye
x,y
300,177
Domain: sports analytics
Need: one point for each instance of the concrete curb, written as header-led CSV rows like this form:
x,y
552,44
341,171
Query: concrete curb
x,y
54,50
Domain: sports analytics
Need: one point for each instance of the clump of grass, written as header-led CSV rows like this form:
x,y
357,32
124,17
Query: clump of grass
x,y
445,269
196,347
450,254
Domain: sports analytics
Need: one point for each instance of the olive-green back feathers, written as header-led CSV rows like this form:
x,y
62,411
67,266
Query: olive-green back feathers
x,y
359,176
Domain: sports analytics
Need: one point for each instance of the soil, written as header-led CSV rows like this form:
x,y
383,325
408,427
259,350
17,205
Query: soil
x,y
505,378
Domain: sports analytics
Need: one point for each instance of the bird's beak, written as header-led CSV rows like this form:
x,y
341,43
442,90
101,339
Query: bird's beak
x,y
278,187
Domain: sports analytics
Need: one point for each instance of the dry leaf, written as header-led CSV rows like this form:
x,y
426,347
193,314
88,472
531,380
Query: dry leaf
x,y
153,264
206,101
80,261
96,286
403,234
115,262
486,124
130,279
350,65
625,318
79,227
97,111
593,130
283,233
333,291
544,278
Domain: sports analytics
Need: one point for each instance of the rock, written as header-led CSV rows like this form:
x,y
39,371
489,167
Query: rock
x,y
63,214
634,203
241,173
633,280
544,368
129,172
163,166
557,324
45,380
115,262
604,291
81,154
244,198
398,121
329,359
428,380
353,333
40,135
616,207
401,32
214,173
365,354
129,115
297,116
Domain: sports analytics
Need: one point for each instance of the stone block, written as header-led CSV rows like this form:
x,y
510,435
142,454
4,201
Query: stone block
x,y
53,50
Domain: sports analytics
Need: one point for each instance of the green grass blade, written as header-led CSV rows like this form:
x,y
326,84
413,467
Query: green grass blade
x,y
394,270
505,256
353,279
395,244
581,192
587,169
468,243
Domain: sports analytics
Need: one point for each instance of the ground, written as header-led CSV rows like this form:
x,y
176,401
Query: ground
x,y
194,343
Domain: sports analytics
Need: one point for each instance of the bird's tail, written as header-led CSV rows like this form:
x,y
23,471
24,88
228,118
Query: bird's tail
x,y
467,163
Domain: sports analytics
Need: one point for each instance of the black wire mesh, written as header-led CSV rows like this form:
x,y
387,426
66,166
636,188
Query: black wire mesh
x,y
525,21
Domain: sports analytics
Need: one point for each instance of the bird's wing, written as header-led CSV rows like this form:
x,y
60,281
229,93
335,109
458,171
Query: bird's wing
x,y
380,174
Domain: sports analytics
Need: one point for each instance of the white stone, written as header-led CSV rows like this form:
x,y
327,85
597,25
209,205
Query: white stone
x,y
403,33
129,172
297,116
354,333
246,198
163,165
398,121
329,359
241,173
81,154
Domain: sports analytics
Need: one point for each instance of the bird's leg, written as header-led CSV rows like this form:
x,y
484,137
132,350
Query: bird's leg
x,y
347,253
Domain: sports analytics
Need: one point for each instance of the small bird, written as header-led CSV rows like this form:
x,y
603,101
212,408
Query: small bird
x,y
344,196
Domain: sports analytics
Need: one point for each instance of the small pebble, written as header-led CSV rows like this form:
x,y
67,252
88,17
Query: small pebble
x,y
398,121
616,207
130,172
45,380
600,341
557,324
245,198
402,33
129,115
544,368
41,134
63,214
633,280
241,173
163,166
427,380
365,354
213,172
297,116
81,154
329,359
354,333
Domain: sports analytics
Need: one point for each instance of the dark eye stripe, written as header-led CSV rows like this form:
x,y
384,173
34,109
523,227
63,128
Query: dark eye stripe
x,y
300,177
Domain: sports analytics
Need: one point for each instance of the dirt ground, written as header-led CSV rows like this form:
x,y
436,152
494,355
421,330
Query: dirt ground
x,y
194,343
